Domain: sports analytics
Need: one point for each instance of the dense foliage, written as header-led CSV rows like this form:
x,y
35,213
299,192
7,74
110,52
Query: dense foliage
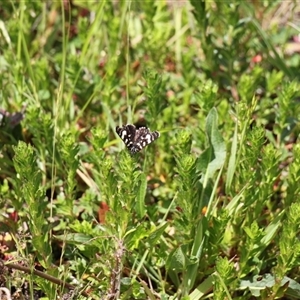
x,y
211,209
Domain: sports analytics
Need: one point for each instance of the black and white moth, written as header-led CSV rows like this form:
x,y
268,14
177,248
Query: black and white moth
x,y
136,139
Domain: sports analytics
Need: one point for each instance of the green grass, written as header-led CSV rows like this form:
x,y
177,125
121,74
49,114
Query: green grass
x,y
210,210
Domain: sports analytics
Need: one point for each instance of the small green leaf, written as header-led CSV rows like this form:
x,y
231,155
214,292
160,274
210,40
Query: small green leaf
x,y
142,189
176,260
156,235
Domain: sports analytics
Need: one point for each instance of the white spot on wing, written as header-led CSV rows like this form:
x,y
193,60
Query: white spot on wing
x,y
123,134
148,138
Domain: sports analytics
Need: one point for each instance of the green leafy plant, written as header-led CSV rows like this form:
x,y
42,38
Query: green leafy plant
x,y
209,210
